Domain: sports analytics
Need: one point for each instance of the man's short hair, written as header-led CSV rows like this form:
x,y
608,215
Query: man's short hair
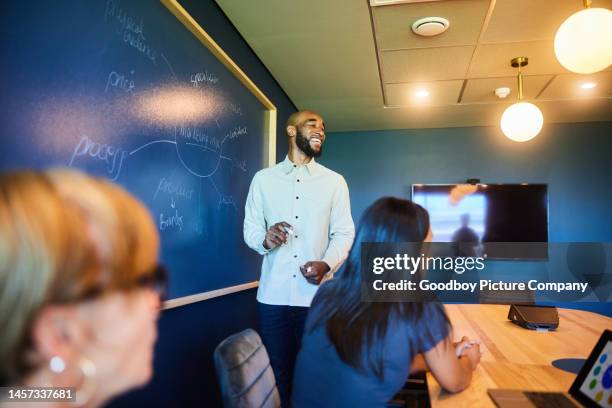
x,y
294,118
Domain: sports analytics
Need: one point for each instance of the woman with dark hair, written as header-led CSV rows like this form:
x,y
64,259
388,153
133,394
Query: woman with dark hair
x,y
359,354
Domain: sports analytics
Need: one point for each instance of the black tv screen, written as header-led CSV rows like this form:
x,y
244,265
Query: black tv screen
x,y
502,221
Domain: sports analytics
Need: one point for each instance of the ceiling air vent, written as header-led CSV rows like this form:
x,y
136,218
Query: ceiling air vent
x,y
430,26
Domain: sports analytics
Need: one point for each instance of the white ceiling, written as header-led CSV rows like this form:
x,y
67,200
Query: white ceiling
x,y
359,66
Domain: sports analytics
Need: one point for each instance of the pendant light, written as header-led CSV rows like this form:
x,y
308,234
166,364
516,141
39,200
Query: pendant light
x,y
583,43
523,120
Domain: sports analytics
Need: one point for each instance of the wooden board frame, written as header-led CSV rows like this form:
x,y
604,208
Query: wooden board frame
x,y
269,130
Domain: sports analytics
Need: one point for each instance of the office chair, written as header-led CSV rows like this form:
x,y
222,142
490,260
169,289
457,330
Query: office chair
x,y
244,372
414,394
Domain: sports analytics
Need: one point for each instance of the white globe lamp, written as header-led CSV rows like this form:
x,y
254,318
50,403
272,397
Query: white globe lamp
x,y
523,120
583,43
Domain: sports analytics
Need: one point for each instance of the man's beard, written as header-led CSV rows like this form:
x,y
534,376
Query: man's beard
x,y
305,147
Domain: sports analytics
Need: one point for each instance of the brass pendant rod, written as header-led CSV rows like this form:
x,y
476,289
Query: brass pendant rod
x,y
519,62
520,85
587,3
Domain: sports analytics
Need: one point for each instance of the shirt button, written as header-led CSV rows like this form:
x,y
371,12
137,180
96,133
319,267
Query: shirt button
x,y
294,276
298,180
296,236
294,165
295,256
297,198
296,217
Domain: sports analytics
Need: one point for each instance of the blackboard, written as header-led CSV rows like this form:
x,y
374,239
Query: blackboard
x,y
135,91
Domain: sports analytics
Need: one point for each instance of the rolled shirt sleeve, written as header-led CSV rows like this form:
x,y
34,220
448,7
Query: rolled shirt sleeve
x,y
254,222
341,228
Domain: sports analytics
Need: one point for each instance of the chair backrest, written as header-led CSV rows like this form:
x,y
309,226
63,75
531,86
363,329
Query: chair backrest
x,y
244,372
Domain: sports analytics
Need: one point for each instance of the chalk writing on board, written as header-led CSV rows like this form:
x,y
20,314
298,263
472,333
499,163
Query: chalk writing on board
x,y
190,153
119,81
237,131
197,137
240,165
198,78
223,198
173,220
130,29
227,200
171,187
111,155
235,108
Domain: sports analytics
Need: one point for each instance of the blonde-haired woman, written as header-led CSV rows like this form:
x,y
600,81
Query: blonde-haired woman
x,y
79,286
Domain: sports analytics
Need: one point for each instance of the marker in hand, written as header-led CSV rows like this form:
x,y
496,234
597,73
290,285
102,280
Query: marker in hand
x,y
277,235
314,271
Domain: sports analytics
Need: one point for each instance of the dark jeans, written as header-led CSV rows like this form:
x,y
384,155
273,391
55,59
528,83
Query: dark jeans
x,y
281,329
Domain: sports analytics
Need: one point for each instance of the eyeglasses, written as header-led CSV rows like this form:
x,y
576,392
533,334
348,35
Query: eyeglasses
x,y
157,280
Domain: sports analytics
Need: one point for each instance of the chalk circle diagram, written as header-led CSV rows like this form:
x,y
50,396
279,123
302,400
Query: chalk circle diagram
x,y
200,146
200,153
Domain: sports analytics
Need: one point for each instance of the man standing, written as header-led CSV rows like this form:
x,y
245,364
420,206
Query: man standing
x,y
298,216
465,240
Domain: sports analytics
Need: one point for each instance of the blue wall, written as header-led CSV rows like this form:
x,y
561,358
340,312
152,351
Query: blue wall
x,y
575,160
184,374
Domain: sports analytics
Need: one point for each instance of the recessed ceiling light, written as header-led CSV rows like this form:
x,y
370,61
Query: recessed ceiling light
x,y
588,85
422,93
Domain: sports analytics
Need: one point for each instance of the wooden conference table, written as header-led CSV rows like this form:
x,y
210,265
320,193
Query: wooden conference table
x,y
514,357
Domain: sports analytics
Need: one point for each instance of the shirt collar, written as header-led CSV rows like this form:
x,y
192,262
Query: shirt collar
x,y
287,166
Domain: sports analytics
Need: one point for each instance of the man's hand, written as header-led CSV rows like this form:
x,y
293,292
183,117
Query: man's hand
x,y
276,235
314,271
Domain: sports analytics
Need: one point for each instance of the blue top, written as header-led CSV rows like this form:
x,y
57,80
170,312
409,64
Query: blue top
x,y
322,379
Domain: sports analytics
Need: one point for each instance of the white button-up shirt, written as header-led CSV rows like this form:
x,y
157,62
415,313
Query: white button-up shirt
x,y
315,201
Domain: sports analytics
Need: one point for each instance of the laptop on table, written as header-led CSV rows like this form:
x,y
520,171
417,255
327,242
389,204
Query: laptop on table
x,y
592,387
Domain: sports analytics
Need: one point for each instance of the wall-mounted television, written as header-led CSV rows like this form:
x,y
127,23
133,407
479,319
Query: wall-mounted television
x,y
499,221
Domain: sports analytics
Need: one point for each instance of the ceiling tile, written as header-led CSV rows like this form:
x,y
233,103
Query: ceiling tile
x,y
331,55
439,93
529,20
319,69
393,23
493,60
483,90
568,86
425,64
